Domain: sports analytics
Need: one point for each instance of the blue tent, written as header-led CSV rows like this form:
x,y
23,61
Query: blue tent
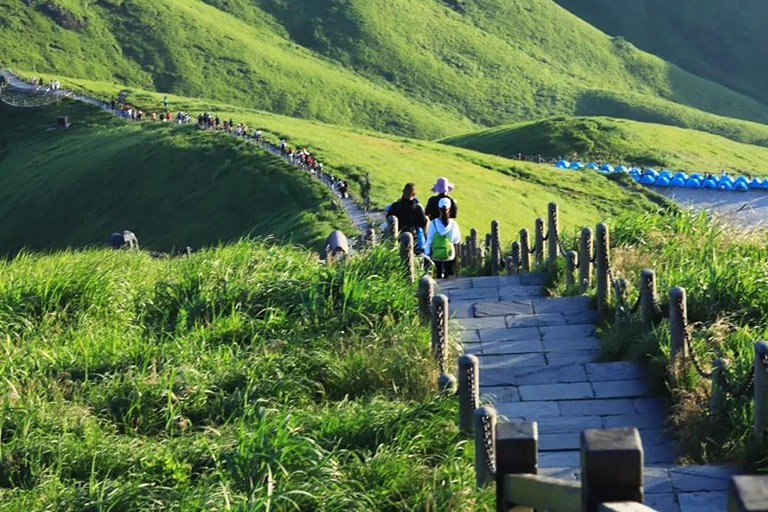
x,y
681,175
693,183
636,176
563,164
662,181
606,168
577,165
650,171
697,176
709,183
725,185
756,183
678,181
741,179
648,179
740,186
621,168
666,172
592,165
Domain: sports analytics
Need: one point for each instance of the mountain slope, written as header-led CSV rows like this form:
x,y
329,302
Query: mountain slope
x,y
418,68
720,40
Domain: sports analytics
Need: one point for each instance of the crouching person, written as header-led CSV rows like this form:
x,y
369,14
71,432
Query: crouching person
x,y
336,247
442,236
125,240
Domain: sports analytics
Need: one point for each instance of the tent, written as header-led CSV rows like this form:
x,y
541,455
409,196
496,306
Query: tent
x,y
606,168
678,181
756,183
592,165
648,179
650,171
725,185
681,175
741,186
696,176
666,172
662,181
693,183
621,168
577,165
563,164
709,183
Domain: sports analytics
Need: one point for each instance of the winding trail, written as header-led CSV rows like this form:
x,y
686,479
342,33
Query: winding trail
x,y
361,219
537,363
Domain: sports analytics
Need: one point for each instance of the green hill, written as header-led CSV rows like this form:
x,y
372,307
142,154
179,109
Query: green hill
x,y
173,186
618,141
715,39
424,68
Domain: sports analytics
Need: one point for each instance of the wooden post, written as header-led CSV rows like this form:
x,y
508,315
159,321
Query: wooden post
x,y
748,493
370,237
406,255
538,242
394,226
570,268
585,260
426,292
619,289
717,393
485,441
761,388
473,247
525,251
515,257
495,248
602,263
553,236
678,321
508,264
440,330
647,297
611,467
446,383
517,452
469,390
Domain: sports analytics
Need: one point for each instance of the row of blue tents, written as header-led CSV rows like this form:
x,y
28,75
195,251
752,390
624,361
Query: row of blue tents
x,y
667,178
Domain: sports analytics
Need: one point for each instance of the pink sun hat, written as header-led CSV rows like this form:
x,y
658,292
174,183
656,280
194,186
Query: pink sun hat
x,y
442,186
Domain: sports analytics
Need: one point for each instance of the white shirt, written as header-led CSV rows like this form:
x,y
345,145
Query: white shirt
x,y
451,230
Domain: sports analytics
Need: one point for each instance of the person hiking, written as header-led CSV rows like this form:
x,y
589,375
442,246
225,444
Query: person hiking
x,y
442,186
442,236
336,247
410,214
125,240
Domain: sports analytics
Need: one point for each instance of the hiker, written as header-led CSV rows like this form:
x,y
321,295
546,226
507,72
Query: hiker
x,y
442,186
125,240
442,236
410,214
336,247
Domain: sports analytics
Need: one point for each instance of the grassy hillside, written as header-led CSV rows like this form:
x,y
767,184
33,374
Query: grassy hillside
x,y
716,39
172,186
619,141
242,378
420,68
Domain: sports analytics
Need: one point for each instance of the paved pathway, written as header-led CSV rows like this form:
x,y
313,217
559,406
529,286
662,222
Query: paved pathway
x,y
536,364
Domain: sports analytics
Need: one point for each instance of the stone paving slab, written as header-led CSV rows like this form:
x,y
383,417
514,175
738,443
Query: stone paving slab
x,y
534,320
701,501
507,361
561,305
566,424
650,406
496,377
620,388
489,322
550,374
500,394
701,478
572,356
461,308
659,454
518,334
474,293
663,502
580,317
560,459
516,292
571,391
488,281
448,285
528,409
558,441
623,370
587,343
635,420
503,308
567,331
604,407
512,347
469,336
533,279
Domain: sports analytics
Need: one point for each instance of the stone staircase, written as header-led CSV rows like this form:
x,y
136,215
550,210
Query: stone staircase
x,y
537,363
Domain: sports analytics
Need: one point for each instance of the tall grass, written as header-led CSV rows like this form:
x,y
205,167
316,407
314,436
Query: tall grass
x,y
242,377
724,272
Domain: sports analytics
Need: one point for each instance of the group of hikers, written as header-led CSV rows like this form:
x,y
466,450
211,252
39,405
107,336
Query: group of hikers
x,y
437,220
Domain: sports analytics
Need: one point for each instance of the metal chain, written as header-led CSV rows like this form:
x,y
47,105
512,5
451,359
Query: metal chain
x,y
741,391
562,247
696,364
488,443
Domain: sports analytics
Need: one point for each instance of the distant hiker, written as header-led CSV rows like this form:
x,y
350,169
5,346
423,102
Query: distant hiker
x,y
410,214
442,186
165,102
336,247
113,104
442,236
125,240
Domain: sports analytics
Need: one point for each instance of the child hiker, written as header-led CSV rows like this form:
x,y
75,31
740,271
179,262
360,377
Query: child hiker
x,y
442,236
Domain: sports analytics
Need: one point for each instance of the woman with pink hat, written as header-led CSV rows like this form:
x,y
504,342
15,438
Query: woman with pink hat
x,y
442,186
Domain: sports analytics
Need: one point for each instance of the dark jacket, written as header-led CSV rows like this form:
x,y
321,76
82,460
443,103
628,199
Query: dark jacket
x,y
410,214
434,212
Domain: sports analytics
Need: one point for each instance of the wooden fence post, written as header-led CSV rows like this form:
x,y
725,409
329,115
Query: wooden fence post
x,y
495,248
426,292
602,264
538,242
485,434
469,390
717,393
406,255
678,321
611,467
473,247
370,237
394,226
585,260
570,268
517,452
515,258
761,388
748,493
647,297
525,251
553,236
440,330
